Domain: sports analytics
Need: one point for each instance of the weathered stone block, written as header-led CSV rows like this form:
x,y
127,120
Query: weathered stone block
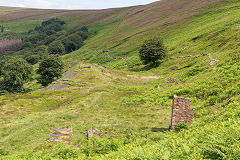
x,y
93,132
181,111
213,61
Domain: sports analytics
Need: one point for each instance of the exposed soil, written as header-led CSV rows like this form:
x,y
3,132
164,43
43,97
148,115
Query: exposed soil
x,y
144,77
70,75
55,87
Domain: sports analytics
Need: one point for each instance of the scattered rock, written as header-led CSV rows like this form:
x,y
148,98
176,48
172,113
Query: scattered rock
x,y
93,132
166,60
213,61
66,80
105,51
88,67
206,54
170,80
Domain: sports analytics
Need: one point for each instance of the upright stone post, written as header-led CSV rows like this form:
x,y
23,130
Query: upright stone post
x,y
181,111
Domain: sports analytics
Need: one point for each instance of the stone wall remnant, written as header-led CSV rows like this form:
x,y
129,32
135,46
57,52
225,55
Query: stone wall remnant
x,y
181,111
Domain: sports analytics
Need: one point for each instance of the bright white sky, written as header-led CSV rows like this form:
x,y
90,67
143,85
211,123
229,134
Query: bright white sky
x,y
73,4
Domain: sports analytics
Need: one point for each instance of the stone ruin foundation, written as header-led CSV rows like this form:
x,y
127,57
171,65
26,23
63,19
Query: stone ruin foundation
x,y
62,135
181,112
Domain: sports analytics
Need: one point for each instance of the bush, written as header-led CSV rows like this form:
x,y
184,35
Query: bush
x,y
49,69
16,72
101,146
3,152
66,153
181,126
32,59
152,50
56,47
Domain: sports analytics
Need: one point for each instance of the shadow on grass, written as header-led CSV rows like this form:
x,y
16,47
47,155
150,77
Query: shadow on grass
x,y
147,67
160,129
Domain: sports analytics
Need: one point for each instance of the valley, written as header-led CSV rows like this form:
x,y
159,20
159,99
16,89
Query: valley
x,y
106,86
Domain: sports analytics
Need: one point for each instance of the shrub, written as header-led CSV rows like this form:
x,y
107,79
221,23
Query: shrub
x,y
1,28
16,72
152,50
66,153
84,29
101,146
3,152
49,69
181,126
56,47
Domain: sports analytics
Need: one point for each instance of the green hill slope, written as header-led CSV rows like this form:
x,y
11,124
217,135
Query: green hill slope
x,y
129,102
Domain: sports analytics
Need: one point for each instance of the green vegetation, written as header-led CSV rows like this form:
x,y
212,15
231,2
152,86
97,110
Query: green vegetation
x,y
131,103
56,47
152,50
49,69
16,72
1,28
35,46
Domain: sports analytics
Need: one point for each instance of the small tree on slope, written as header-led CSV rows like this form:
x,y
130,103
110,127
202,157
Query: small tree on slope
x,y
152,50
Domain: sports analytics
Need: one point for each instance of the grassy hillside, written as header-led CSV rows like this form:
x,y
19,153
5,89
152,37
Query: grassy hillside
x,y
129,102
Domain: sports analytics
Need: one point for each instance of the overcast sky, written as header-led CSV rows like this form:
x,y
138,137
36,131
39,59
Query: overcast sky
x,y
73,4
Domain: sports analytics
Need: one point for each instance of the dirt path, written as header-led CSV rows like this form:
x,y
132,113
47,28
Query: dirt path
x,y
70,75
55,87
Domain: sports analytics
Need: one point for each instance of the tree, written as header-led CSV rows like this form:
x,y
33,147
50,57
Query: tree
x,y
16,72
1,29
42,51
84,29
72,43
152,50
32,59
49,69
56,47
